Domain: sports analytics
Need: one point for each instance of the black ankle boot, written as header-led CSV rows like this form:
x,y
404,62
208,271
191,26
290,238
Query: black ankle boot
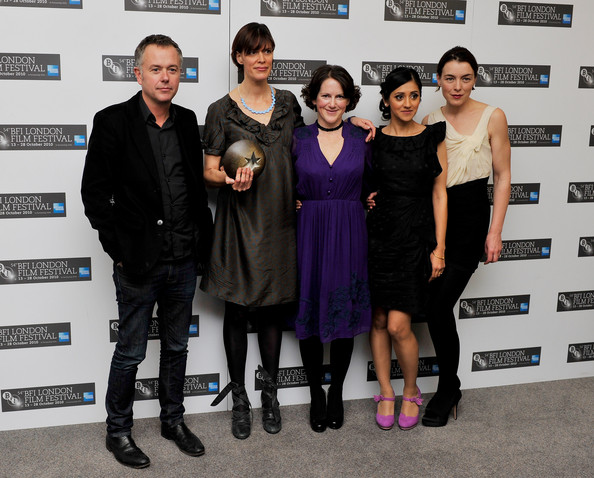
x,y
335,413
271,419
439,407
317,410
241,418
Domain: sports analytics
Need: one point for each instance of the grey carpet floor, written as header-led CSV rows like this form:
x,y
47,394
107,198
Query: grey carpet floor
x,y
541,429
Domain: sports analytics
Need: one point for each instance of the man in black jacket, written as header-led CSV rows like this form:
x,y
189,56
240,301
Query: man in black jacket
x,y
143,191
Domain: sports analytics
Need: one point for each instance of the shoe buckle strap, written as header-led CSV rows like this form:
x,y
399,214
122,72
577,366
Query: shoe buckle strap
x,y
265,378
381,398
417,400
219,398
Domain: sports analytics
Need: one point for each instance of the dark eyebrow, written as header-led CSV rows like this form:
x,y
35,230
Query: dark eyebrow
x,y
159,66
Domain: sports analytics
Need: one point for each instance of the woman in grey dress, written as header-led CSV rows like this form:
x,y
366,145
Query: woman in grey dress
x,y
253,258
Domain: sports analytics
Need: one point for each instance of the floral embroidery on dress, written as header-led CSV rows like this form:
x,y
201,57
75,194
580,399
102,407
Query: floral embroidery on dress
x,y
310,318
356,295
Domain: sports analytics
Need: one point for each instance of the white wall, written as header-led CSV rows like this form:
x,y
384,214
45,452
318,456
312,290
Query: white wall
x,y
82,36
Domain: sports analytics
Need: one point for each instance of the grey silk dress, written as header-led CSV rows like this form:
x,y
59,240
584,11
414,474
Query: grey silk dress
x,y
253,256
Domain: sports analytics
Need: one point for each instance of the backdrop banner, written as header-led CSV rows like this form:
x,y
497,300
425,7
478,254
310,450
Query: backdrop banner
x,y
528,318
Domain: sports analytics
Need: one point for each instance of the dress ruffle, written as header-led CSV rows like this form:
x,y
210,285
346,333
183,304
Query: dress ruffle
x,y
266,134
432,135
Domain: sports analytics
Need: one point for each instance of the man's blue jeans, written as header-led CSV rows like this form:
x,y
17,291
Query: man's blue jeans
x,y
171,287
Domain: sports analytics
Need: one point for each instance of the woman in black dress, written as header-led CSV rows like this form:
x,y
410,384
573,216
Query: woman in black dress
x,y
477,145
406,237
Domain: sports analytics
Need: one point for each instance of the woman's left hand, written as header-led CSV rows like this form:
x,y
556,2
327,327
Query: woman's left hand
x,y
365,124
437,265
493,247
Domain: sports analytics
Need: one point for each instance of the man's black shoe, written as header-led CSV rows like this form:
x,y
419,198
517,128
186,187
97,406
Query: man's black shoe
x,y
126,452
185,440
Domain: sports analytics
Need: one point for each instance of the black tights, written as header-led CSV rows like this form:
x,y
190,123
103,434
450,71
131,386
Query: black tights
x,y
444,292
270,329
312,355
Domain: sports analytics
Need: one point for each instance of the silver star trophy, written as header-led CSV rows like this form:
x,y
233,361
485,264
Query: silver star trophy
x,y
243,154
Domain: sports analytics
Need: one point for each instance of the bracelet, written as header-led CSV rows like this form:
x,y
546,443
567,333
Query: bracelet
x,y
440,258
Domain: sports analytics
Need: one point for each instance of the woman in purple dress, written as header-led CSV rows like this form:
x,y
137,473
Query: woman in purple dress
x,y
331,159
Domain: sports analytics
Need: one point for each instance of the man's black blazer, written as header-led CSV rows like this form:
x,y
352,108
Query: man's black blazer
x,y
121,190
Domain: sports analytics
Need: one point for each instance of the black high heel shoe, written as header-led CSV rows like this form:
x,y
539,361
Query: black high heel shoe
x,y
439,407
335,413
317,411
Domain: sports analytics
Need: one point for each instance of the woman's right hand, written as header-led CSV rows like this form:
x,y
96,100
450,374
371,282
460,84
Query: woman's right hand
x,y
298,205
437,265
370,201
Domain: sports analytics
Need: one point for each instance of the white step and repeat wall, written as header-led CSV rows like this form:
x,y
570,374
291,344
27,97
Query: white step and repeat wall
x,y
528,318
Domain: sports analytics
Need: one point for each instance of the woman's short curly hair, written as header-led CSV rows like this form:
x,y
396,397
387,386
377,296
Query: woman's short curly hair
x,y
310,91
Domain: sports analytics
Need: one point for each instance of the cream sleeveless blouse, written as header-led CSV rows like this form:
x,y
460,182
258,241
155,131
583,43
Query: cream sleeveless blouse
x,y
469,156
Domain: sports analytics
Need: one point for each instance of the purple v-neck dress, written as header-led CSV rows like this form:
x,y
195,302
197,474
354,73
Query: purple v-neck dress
x,y
332,236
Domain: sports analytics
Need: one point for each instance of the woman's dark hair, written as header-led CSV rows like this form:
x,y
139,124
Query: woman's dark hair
x,y
351,92
395,79
251,37
458,53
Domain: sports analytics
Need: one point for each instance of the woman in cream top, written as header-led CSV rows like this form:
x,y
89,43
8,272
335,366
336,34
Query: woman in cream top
x,y
477,144
469,156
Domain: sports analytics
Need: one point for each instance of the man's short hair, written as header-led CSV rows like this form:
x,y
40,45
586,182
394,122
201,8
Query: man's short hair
x,y
159,40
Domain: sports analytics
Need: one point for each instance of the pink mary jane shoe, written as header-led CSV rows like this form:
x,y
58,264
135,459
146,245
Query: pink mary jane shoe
x,y
385,422
404,421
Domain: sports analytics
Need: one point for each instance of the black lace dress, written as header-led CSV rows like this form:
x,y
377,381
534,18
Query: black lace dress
x,y
253,258
401,226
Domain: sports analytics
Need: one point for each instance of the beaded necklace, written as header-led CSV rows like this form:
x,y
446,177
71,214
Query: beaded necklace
x,y
251,110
